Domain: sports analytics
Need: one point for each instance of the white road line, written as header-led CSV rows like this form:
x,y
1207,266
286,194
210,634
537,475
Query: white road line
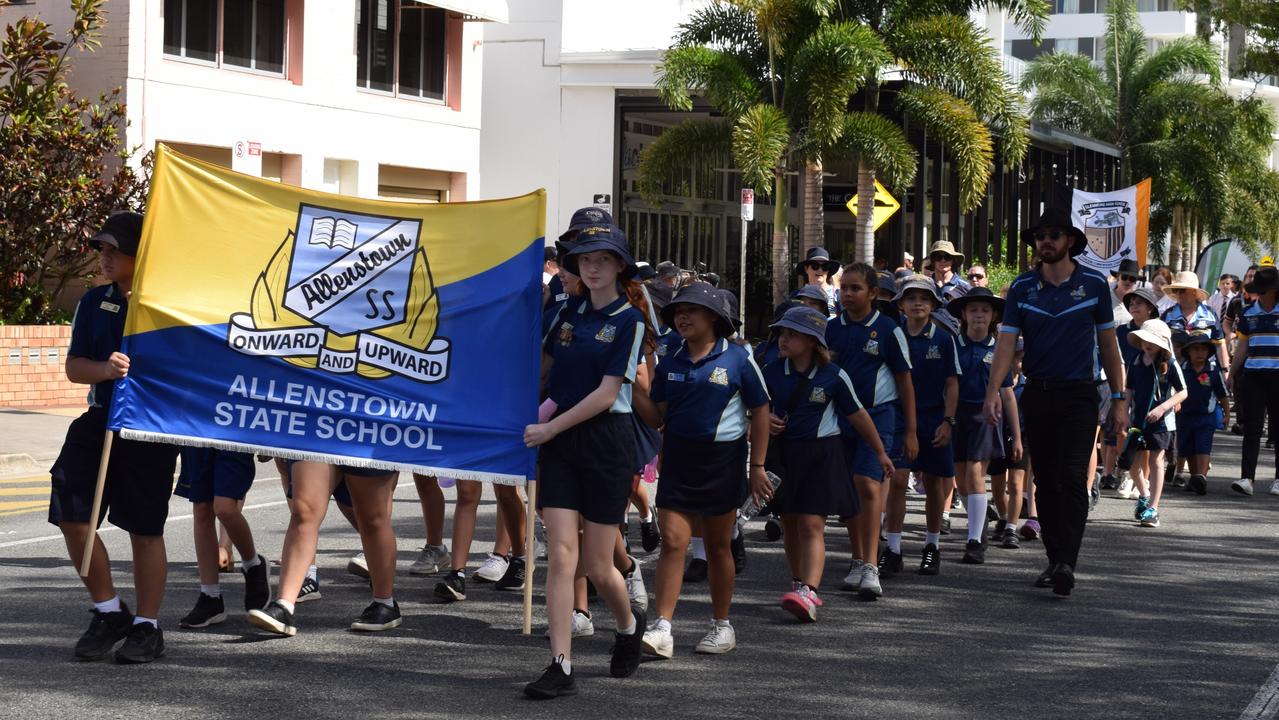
x,y
1265,704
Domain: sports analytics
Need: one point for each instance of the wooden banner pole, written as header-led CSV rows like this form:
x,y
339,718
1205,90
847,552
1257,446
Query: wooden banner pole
x,y
87,558
530,556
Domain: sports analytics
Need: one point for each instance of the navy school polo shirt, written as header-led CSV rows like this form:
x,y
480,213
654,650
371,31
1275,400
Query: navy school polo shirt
x,y
933,361
1204,388
1145,394
667,344
1059,322
1203,319
975,359
870,351
1127,350
96,332
816,414
707,400
1261,329
589,345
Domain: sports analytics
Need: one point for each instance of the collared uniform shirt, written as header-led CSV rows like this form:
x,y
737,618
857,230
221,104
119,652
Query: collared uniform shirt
x,y
1204,388
1261,328
955,281
1126,349
975,359
933,361
589,345
97,330
828,398
707,400
1059,322
1201,320
870,351
1117,308
1147,393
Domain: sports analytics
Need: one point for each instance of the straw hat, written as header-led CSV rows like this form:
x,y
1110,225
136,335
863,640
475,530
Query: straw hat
x,y
1152,331
1186,280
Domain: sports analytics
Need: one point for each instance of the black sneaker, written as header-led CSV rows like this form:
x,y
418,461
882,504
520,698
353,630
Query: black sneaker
x,y
310,590
930,561
650,535
453,587
513,578
208,611
974,553
273,618
1045,579
991,513
696,571
377,617
1198,484
105,630
1001,527
1109,482
945,526
773,529
890,563
554,682
955,503
739,553
143,644
1063,579
1094,495
1010,541
257,585
625,654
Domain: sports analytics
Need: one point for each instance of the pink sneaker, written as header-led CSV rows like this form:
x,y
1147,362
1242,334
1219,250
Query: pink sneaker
x,y
812,595
801,605
1029,530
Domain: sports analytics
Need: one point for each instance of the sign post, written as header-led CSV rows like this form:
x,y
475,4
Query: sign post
x,y
748,214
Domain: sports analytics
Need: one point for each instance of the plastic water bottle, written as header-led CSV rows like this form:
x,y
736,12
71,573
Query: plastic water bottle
x,y
750,508
546,410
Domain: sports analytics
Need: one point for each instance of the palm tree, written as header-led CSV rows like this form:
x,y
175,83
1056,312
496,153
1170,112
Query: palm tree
x,y
779,73
954,87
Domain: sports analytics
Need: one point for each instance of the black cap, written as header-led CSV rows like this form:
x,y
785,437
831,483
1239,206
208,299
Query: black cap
x,y
1127,266
122,231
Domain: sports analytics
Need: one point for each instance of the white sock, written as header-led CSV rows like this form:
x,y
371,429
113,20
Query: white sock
x,y
662,624
286,604
721,623
565,665
895,542
699,549
629,629
438,548
214,590
646,516
389,602
310,572
138,620
108,606
976,515
247,565
932,538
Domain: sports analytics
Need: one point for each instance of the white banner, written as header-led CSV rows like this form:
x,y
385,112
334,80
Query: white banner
x,y
1115,224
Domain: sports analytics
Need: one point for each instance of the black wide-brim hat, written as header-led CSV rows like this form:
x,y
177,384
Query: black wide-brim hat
x,y
704,295
1127,267
601,237
817,254
1187,340
956,306
1264,279
1059,218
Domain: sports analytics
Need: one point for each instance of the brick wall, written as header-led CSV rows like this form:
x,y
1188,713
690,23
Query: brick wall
x,y
32,361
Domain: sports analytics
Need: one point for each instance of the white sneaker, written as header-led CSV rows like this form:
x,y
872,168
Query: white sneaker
x,y
358,566
853,580
1274,488
1243,486
492,570
635,588
720,639
582,625
431,561
1127,490
659,641
870,588
539,540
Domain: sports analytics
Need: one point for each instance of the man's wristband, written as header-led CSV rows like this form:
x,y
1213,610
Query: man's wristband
x,y
1116,396
757,465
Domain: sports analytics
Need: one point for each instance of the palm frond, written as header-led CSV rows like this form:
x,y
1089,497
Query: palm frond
x,y
682,148
1179,57
761,137
967,141
1030,15
1070,92
723,26
714,73
879,142
831,65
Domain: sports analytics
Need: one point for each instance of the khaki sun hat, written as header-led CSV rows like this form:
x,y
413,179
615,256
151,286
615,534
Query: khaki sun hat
x,y
1186,280
945,247
1152,331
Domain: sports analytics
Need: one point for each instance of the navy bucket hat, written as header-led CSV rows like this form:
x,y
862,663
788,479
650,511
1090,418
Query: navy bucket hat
x,y
585,217
956,306
804,320
601,237
703,295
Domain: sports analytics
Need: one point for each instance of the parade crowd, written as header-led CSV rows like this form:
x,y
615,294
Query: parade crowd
x,y
871,387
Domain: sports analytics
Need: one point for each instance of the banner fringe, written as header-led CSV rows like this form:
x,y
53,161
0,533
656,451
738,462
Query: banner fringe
x,y
186,441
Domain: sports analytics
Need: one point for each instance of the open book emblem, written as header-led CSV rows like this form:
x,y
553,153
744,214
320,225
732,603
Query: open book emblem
x,y
333,232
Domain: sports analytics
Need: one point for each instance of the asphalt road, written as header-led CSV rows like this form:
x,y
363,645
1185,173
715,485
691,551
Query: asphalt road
x,y
1170,622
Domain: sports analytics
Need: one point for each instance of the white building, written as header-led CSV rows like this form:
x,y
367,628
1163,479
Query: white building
x,y
375,98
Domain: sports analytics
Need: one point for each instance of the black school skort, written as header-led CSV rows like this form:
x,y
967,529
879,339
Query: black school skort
x,y
589,468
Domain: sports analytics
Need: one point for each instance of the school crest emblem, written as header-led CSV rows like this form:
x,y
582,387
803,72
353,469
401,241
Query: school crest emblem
x,y
988,358
871,347
606,333
566,334
1078,293
661,350
818,395
719,376
934,353
347,293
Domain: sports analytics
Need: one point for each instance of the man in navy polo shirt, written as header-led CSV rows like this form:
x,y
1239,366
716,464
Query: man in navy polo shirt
x,y
140,474
1062,310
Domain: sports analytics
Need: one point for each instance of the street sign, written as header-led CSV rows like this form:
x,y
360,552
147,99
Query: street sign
x,y
246,157
748,204
885,206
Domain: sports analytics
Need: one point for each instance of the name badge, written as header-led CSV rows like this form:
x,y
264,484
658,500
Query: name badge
x,y
110,306
675,377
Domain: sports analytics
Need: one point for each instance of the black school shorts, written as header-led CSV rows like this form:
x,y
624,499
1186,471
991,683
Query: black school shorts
x,y
589,468
139,478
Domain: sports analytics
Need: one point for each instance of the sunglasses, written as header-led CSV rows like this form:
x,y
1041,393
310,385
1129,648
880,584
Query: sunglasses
x,y
1050,235
1128,278
938,257
815,265
975,276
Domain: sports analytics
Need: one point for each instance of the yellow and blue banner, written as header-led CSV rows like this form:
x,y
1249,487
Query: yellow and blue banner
x,y
300,324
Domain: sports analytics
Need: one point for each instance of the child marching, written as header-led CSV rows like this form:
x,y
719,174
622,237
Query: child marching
x,y
1155,388
1197,418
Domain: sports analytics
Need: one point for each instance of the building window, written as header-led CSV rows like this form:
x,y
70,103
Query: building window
x,y
1027,50
1067,45
252,32
1066,7
401,48
1086,48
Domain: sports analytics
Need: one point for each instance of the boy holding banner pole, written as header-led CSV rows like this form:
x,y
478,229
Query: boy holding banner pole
x,y
130,480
